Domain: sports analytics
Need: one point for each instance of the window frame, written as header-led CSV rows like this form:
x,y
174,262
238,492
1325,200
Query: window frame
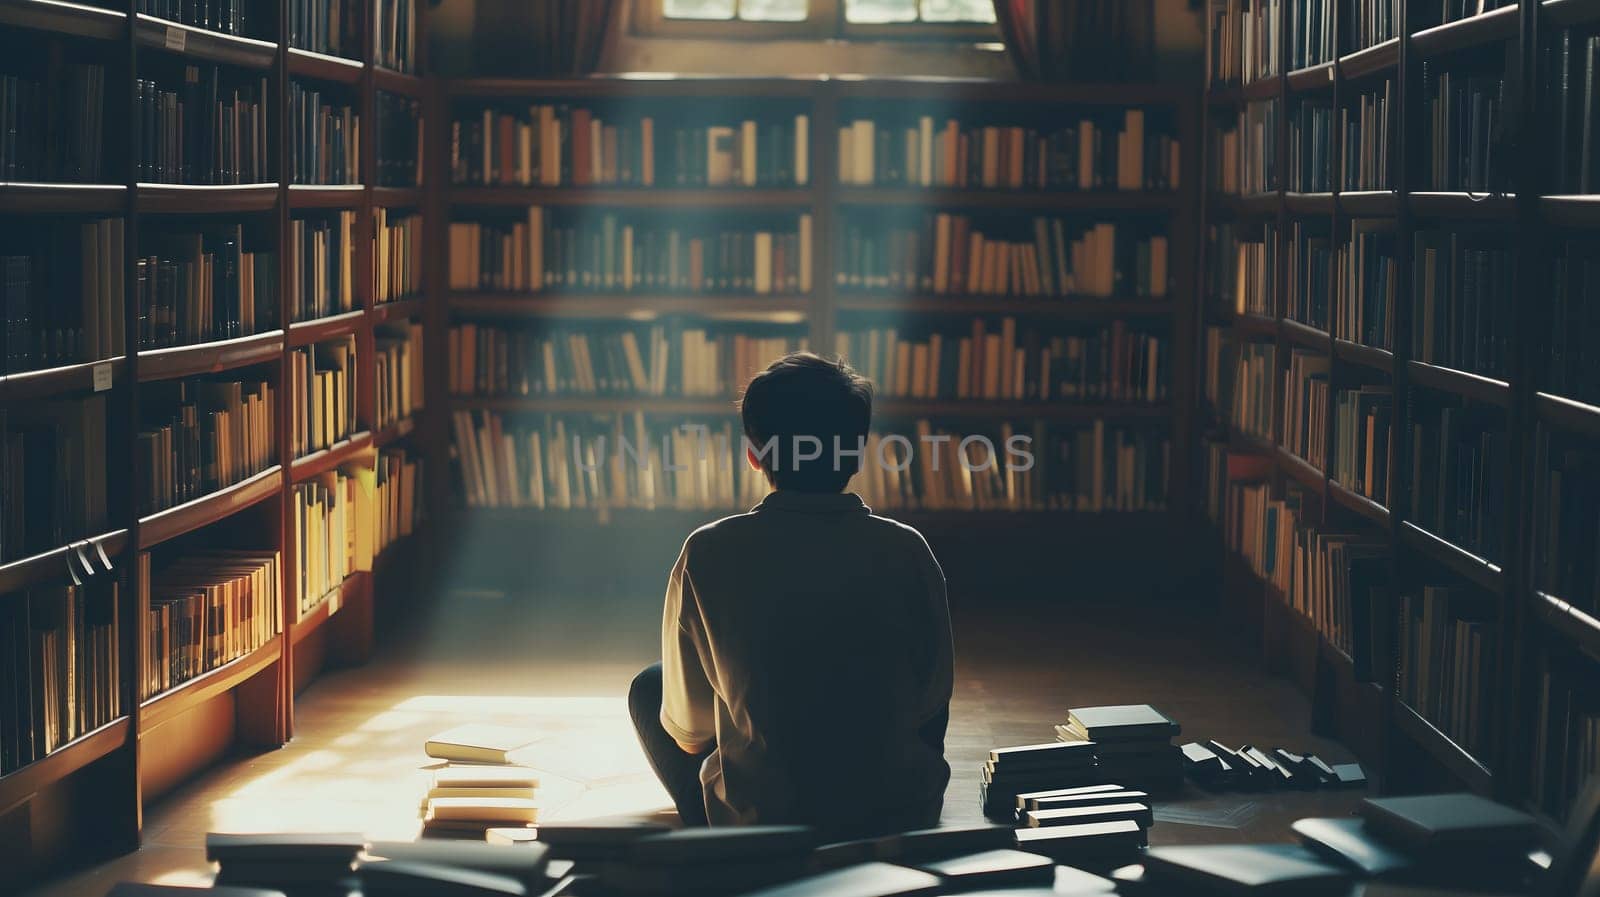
x,y
825,21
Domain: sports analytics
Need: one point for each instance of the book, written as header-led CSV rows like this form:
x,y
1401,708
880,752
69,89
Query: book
x,y
1245,869
595,840
322,380
211,130
392,878
863,880
397,255
322,264
1100,842
396,497
206,609
61,292
330,27
724,845
199,286
1457,824
1462,308
472,776
55,128
60,648
1025,800
337,848
525,863
1070,815
1067,801
245,18
398,369
1121,722
394,29
1367,130
1465,112
399,139
1347,841
324,138
993,869
488,810
332,533
478,743
942,843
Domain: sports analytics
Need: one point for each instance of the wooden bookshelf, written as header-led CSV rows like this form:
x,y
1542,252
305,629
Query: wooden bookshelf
x,y
1526,625
146,755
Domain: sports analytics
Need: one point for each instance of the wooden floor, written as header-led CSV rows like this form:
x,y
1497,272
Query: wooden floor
x,y
561,667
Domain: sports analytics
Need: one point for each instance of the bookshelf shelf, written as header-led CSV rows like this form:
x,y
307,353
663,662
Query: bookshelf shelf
x,y
175,701
1301,470
334,456
782,309
387,79
1563,13
1261,89
210,358
1351,500
208,509
326,606
305,333
1308,203
395,432
48,567
203,45
1304,335
68,19
1444,204
1567,414
1369,357
336,196
1369,203
1466,34
1460,763
1582,210
1252,205
1256,325
596,404
322,67
59,381
1576,626
1380,58
987,91
1224,96
1084,308
990,409
1464,563
398,310
21,784
21,197
196,199
1470,386
646,86
1312,78
1008,200
396,197
736,198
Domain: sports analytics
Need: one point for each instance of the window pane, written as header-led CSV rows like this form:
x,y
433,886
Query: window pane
x,y
697,9
877,12
773,10
958,10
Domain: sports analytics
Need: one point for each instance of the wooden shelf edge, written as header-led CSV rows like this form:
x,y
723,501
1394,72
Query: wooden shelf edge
x,y
1568,414
1304,335
1579,210
210,358
1368,203
1462,34
305,333
1266,88
67,19
186,695
202,199
1460,383
208,509
1256,325
324,67
324,460
45,197
1464,563
1311,78
778,308
1352,500
50,566
1370,357
397,310
326,196
323,611
1456,204
396,197
1301,470
391,81
20,784
1455,758
67,379
1376,59
1073,307
1025,198
738,198
191,42
1308,203
395,431
1577,626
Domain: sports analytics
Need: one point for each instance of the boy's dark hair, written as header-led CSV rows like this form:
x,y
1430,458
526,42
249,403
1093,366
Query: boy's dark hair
x,y
802,394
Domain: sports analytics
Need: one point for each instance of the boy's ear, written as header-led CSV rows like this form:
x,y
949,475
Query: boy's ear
x,y
750,456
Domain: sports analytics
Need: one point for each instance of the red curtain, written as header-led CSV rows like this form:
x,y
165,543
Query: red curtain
x,y
541,38
1078,40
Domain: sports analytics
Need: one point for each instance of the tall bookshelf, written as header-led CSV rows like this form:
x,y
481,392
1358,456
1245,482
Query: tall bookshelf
x,y
829,307
93,789
1525,628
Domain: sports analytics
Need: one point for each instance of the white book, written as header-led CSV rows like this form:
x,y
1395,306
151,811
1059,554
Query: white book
x,y
925,150
865,138
847,165
805,253
747,153
763,252
802,150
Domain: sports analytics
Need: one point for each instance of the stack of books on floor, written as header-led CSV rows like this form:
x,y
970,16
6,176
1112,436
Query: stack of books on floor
x,y
388,865
1011,771
302,864
707,861
1095,826
1132,744
479,788
1214,765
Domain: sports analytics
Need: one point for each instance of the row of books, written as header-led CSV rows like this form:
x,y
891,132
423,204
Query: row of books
x,y
1108,153
52,474
1311,148
244,18
205,132
1464,305
993,360
394,34
1312,38
621,254
1222,158
206,609
329,536
1218,360
1466,117
1222,275
1255,382
61,294
1456,10
1571,69
398,365
1368,282
326,143
1310,263
60,655
330,27
1443,641
655,361
1363,441
1305,407
1368,136
400,140
199,436
1092,467
54,132
1257,151
559,145
322,266
1244,40
1566,519
397,255
322,380
204,285
1371,23
1459,464
1566,740
1573,367
397,496
955,254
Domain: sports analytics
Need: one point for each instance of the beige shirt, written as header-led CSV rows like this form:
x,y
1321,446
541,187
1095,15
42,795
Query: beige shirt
x,y
810,640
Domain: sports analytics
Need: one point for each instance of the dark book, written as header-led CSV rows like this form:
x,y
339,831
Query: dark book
x,y
722,845
1121,722
1350,775
1245,869
1042,756
1095,799
139,889
708,878
1137,812
397,879
865,880
1346,841
1024,799
1202,762
847,853
526,863
288,847
1096,840
993,869
589,839
942,843
1432,823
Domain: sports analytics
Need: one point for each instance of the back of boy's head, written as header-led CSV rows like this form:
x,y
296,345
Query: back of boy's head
x,y
802,395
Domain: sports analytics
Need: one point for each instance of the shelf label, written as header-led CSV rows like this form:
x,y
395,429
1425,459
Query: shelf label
x,y
177,38
102,376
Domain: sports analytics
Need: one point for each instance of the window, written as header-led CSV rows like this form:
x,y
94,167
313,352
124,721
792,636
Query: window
x,y
951,19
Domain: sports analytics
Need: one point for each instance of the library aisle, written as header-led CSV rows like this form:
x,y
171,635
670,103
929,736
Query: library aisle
x,y
561,666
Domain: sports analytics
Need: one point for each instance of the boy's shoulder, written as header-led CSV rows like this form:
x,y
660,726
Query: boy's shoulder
x,y
737,527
